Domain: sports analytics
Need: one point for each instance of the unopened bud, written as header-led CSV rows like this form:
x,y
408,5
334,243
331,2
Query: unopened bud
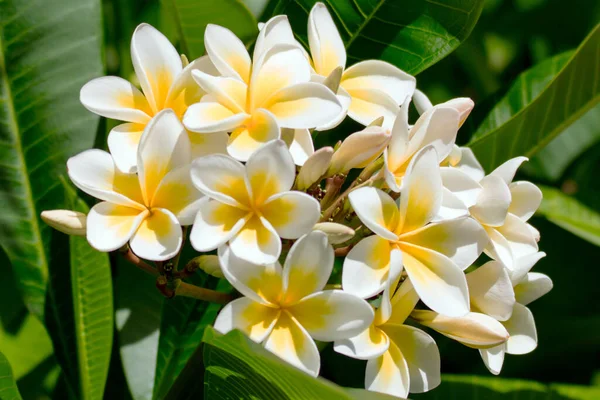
x,y
314,168
463,105
474,330
359,149
336,233
66,221
207,263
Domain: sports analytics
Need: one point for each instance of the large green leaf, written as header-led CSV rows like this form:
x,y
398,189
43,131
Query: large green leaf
x,y
79,313
569,214
490,388
411,34
8,386
237,368
191,17
48,50
528,118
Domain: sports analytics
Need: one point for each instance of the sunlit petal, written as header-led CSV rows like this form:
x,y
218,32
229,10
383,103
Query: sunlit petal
x,y
254,319
526,198
491,291
257,242
227,52
326,45
388,373
270,170
260,128
492,202
534,286
370,343
493,358
523,334
368,104
215,224
366,267
377,210
123,141
158,237
382,76
222,178
110,226
210,116
177,194
292,214
508,170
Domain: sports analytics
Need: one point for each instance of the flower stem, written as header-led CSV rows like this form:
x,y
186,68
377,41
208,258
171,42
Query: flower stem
x,y
135,260
187,290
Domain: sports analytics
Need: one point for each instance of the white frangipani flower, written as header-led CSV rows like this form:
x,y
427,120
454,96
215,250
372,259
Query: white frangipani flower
x,y
528,286
146,209
503,208
286,308
434,255
250,206
402,359
165,83
369,89
255,100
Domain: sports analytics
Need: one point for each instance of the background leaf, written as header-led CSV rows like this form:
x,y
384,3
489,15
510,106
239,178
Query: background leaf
x,y
8,386
79,312
524,123
47,52
411,34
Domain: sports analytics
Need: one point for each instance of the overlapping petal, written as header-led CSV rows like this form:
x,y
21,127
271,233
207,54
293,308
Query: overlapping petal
x,y
216,223
377,210
292,214
254,319
110,226
158,237
326,45
366,267
227,52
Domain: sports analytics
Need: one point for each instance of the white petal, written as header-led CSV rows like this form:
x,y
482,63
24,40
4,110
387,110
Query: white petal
x,y
304,105
229,92
159,236
400,139
499,249
469,164
302,146
461,185
452,207
222,178
261,283
257,242
94,172
215,224
421,196
395,269
227,52
440,283
422,102
508,170
359,149
491,290
534,286
520,238
326,45
493,358
382,76
290,341
292,214
332,315
307,267
204,144
463,105
123,142
270,170
275,31
421,354
521,327
377,210
370,343
260,128
116,98
388,373
526,198
403,303
523,265
344,98
177,194
492,202
254,319
156,64
366,267
437,127
110,226
314,168
209,117
185,91
164,146
462,240
369,104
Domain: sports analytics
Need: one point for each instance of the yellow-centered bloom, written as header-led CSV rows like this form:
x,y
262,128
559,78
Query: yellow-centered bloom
x,y
286,308
251,206
146,209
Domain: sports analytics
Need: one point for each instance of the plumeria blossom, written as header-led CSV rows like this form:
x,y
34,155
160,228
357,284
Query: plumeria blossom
x,y
260,97
369,89
166,84
148,209
250,206
434,255
503,208
402,358
286,308
528,286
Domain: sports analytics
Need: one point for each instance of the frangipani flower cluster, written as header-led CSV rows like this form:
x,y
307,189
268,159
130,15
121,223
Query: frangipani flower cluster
x,y
224,145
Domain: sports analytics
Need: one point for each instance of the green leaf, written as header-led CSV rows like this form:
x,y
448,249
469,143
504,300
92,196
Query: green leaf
x,y
411,34
138,317
79,312
48,51
238,368
491,388
570,215
8,386
528,118
191,17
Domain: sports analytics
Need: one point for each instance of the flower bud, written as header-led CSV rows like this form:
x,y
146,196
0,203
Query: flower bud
x,y
359,149
474,330
421,102
463,105
209,264
314,167
336,233
66,221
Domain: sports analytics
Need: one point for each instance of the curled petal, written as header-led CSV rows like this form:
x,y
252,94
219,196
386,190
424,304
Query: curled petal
x,y
326,45
491,290
492,202
377,210
254,319
493,358
382,76
366,267
257,242
215,224
158,237
110,226
314,168
227,52
388,373
270,170
534,286
523,334
292,214
260,128
123,142
210,116
369,344
526,198
369,104
508,170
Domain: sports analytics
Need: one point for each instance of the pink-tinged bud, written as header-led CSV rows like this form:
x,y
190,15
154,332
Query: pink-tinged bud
x,y
463,105
360,149
314,168
336,233
66,221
